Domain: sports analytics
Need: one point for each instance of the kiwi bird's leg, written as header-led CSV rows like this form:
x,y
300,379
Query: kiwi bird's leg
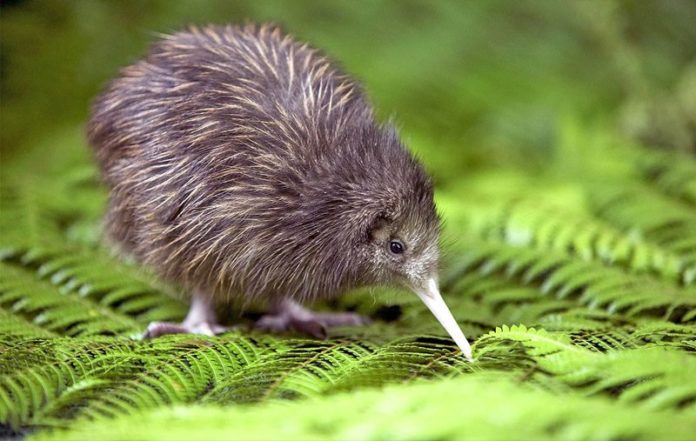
x,y
199,320
287,315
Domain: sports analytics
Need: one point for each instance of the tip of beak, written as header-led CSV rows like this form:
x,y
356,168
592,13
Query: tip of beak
x,y
430,295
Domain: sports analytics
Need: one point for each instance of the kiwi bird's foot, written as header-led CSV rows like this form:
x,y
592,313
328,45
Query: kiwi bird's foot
x,y
289,315
199,320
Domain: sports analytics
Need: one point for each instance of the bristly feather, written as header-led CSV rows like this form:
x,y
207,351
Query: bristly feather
x,y
244,163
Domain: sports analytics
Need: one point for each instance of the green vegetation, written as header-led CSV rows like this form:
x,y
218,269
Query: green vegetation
x,y
562,138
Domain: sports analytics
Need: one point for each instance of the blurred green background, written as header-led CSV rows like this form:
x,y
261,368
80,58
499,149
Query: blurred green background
x,y
470,84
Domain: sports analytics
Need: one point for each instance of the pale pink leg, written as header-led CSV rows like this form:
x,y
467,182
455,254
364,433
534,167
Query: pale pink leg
x,y
289,315
199,320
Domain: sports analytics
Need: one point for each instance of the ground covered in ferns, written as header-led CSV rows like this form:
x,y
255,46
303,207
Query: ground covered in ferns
x,y
561,139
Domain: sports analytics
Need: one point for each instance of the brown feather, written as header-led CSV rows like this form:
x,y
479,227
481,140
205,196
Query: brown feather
x,y
244,163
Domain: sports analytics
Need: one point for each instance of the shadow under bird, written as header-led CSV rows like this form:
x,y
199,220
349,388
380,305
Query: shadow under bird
x,y
243,165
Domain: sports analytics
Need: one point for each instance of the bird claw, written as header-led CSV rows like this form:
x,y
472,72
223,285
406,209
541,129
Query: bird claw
x,y
307,322
282,323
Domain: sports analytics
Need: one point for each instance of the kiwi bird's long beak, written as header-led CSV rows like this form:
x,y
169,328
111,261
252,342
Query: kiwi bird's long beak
x,y
430,295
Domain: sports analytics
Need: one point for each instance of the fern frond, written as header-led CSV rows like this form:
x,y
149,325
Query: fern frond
x,y
671,173
44,371
180,369
650,376
13,324
526,223
94,276
25,219
589,284
69,314
653,378
479,404
106,378
664,221
666,334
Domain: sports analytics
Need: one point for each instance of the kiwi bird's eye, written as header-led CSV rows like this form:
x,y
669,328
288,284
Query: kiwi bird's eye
x,y
396,247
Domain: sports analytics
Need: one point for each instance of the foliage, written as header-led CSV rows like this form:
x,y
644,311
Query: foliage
x,y
469,406
601,298
570,247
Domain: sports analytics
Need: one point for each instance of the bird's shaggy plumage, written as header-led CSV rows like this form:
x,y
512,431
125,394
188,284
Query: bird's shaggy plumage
x,y
245,164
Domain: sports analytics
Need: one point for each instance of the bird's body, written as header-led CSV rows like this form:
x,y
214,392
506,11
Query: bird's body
x,y
244,166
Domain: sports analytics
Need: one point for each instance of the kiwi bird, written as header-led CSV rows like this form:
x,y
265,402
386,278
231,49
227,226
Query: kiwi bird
x,y
245,166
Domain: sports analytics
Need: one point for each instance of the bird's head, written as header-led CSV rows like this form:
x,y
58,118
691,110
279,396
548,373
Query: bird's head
x,y
402,248
377,202
401,230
